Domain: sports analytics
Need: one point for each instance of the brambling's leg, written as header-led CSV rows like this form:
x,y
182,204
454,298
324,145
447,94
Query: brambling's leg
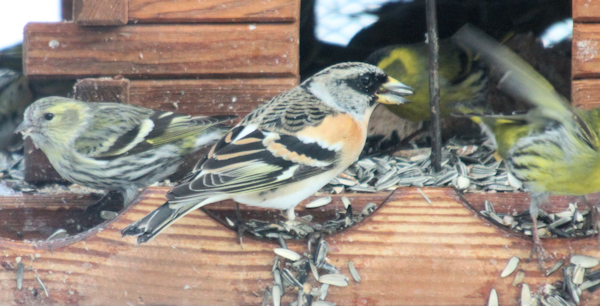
x,y
240,224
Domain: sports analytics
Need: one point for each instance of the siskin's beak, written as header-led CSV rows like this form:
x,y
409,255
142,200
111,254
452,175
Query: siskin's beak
x,y
392,92
24,128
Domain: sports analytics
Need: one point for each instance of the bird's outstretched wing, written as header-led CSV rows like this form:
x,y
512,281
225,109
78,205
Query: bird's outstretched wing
x,y
521,81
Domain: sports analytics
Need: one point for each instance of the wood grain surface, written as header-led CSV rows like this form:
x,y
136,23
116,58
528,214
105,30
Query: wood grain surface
x,y
162,11
208,96
64,50
585,93
100,13
586,50
586,11
409,252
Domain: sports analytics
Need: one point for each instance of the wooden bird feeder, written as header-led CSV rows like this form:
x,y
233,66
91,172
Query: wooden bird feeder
x,y
218,57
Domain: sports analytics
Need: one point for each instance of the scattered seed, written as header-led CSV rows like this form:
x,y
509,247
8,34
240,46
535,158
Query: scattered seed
x,y
334,279
290,278
493,300
346,202
584,261
314,269
578,274
266,297
107,214
42,285
424,196
58,234
287,253
519,277
354,272
276,293
588,284
319,202
231,223
511,266
525,295
322,303
20,271
324,290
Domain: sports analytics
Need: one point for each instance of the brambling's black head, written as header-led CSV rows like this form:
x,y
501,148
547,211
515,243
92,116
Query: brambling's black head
x,y
355,87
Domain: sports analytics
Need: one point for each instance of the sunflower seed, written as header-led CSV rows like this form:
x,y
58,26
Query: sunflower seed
x,y
314,270
578,274
334,279
276,295
369,209
346,202
584,261
322,303
511,266
519,277
282,242
266,297
424,196
571,288
588,284
20,270
555,267
324,290
277,278
290,278
107,214
320,252
58,234
287,253
489,207
525,295
560,222
319,202
42,285
354,272
493,300
462,182
359,188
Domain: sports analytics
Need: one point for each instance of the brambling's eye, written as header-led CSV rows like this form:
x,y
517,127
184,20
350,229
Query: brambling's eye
x,y
48,116
366,80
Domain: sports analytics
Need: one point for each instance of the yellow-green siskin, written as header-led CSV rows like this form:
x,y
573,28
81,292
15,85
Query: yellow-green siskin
x,y
462,78
115,146
555,147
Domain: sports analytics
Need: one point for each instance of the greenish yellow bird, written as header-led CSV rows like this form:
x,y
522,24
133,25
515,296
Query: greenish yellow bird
x,y
463,79
114,146
555,147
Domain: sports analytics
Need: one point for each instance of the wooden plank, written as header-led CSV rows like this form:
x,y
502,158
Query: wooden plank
x,y
161,11
207,96
409,252
586,51
100,13
585,93
158,51
586,11
38,169
102,90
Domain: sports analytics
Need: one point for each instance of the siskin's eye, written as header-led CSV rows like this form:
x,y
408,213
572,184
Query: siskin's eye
x,y
366,80
48,116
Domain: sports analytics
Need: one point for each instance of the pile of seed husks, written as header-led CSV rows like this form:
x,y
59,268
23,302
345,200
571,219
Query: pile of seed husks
x,y
307,275
577,277
564,224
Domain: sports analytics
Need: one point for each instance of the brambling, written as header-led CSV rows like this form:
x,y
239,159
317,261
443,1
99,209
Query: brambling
x,y
286,149
114,146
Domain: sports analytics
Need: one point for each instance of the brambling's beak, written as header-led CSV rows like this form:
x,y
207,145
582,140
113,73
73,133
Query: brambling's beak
x,y
393,92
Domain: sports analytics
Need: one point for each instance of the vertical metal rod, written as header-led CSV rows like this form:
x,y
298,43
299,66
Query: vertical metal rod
x,y
434,86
